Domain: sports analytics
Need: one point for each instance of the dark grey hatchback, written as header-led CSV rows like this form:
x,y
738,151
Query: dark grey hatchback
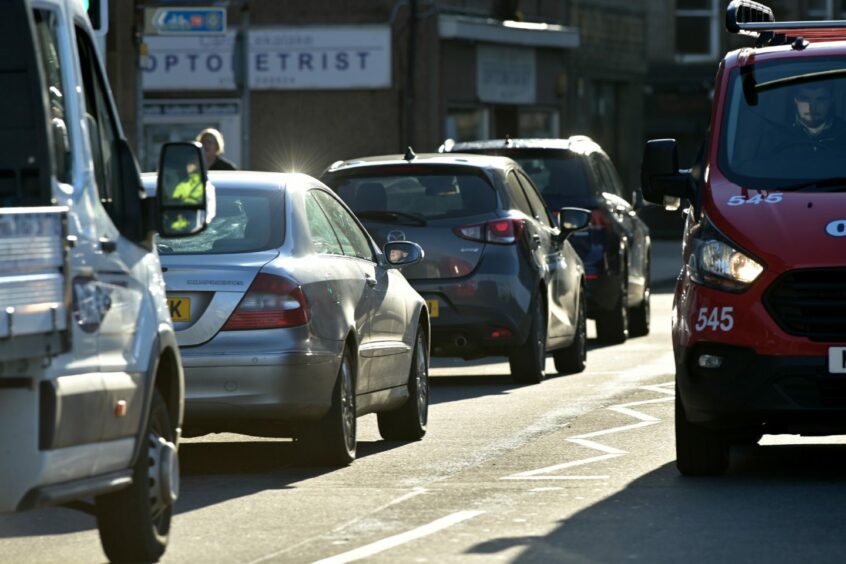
x,y
499,276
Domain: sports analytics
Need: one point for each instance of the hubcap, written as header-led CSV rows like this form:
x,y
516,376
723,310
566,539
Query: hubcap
x,y
163,474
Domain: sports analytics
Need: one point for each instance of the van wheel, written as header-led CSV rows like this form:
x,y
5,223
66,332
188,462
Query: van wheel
x,y
699,451
333,440
527,363
573,358
134,522
612,327
408,423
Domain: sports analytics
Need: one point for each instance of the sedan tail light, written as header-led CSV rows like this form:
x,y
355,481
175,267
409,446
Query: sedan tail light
x,y
498,232
272,302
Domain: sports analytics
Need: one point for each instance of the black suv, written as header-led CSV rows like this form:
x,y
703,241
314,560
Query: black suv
x,y
616,246
500,277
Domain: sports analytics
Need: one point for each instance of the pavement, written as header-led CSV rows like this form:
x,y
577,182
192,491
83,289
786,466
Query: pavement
x,y
666,264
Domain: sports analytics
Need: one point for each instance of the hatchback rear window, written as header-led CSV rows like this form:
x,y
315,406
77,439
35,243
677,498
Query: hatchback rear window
x,y
420,195
246,221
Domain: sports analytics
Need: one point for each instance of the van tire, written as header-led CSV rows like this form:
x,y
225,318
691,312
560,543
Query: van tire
x,y
699,451
408,423
129,532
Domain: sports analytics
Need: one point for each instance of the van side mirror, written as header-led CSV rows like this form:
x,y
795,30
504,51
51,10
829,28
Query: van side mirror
x,y
661,180
185,199
571,220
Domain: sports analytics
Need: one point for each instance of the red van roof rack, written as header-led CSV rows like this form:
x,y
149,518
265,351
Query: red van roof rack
x,y
746,17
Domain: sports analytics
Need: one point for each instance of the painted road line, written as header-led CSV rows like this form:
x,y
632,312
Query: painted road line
x,y
413,493
402,538
645,420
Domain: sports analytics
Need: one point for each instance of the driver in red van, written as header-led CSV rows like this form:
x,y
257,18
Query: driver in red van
x,y
815,119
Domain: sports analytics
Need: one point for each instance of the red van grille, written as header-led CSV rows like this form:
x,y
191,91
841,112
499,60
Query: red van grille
x,y
810,303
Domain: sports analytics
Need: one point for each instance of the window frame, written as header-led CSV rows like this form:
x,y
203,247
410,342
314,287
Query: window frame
x,y
309,196
353,222
713,21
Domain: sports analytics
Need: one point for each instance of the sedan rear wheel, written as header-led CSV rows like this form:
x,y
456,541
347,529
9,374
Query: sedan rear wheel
x,y
527,363
408,423
573,358
333,441
612,327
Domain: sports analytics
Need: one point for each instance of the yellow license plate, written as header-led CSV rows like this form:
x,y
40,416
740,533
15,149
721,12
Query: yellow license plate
x,y
180,308
433,307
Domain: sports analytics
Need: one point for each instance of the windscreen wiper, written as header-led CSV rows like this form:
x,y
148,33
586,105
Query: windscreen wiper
x,y
832,184
391,215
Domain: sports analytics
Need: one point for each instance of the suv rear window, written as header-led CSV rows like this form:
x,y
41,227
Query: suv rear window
x,y
423,195
246,221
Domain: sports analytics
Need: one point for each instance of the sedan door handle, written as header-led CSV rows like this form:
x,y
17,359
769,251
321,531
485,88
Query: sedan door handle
x,y
370,280
536,241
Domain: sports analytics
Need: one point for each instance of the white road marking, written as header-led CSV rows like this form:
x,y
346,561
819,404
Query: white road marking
x,y
402,538
413,493
645,420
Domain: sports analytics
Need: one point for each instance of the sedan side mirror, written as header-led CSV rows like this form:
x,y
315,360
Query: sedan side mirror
x,y
661,180
402,253
185,199
571,220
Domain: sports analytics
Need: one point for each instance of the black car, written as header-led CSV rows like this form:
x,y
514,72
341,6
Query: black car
x,y
616,246
499,276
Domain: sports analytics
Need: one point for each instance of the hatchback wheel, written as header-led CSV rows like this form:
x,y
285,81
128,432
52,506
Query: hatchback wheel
x,y
527,363
408,423
699,451
612,327
333,440
134,522
639,315
573,358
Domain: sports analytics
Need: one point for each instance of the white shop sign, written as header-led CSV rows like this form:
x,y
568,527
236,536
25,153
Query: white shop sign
x,y
281,58
506,75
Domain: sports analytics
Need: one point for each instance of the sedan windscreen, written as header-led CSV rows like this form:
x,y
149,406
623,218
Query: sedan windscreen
x,y
246,221
418,197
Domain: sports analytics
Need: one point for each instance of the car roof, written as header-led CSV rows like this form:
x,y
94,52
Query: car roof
x,y
435,159
575,143
226,179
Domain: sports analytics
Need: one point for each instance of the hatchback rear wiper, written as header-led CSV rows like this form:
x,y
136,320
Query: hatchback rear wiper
x,y
391,215
833,184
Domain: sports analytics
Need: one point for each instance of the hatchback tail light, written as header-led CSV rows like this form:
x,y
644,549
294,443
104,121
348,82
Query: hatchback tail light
x,y
272,302
498,232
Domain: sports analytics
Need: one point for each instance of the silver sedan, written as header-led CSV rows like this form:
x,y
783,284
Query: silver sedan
x,y
291,322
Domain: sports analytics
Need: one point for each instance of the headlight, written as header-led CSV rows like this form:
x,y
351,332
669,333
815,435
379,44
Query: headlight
x,y
716,262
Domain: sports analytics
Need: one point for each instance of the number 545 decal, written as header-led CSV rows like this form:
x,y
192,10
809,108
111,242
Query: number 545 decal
x,y
755,200
715,319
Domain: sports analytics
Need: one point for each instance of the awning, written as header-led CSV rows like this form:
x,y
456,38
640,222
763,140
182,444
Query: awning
x,y
507,32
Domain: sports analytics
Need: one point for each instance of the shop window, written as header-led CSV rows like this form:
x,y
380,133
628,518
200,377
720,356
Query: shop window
x,y
538,123
697,30
467,124
820,9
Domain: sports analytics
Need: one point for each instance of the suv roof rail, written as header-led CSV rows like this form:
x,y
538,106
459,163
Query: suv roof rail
x,y
747,17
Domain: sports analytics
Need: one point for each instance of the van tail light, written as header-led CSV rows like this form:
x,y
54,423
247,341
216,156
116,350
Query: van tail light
x,y
272,302
498,232
598,219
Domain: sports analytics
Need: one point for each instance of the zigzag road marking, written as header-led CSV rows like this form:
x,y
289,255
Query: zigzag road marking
x,y
548,473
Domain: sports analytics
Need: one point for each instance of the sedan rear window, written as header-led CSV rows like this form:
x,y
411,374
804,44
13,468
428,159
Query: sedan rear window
x,y
417,197
246,221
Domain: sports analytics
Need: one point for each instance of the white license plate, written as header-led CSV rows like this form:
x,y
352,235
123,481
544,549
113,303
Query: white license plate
x,y
837,360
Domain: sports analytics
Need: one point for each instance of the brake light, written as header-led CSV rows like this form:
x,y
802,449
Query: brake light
x,y
272,302
499,232
598,220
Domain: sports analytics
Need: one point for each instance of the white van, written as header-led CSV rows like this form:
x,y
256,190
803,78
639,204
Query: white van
x,y
91,385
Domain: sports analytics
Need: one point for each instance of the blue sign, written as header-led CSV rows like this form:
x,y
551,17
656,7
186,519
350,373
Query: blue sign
x,y
189,21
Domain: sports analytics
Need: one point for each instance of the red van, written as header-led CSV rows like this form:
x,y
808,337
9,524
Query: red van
x,y
759,315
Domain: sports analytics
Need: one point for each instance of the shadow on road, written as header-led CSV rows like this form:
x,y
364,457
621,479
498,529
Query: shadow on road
x,y
776,504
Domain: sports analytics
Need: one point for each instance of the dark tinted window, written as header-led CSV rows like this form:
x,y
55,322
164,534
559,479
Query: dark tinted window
x,y
557,176
246,221
429,196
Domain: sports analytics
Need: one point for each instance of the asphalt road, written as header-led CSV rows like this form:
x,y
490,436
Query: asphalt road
x,y
576,469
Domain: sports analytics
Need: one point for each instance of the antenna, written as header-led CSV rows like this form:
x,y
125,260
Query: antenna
x,y
410,155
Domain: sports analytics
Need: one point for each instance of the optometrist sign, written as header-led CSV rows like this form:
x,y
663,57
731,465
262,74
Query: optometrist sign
x,y
281,58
